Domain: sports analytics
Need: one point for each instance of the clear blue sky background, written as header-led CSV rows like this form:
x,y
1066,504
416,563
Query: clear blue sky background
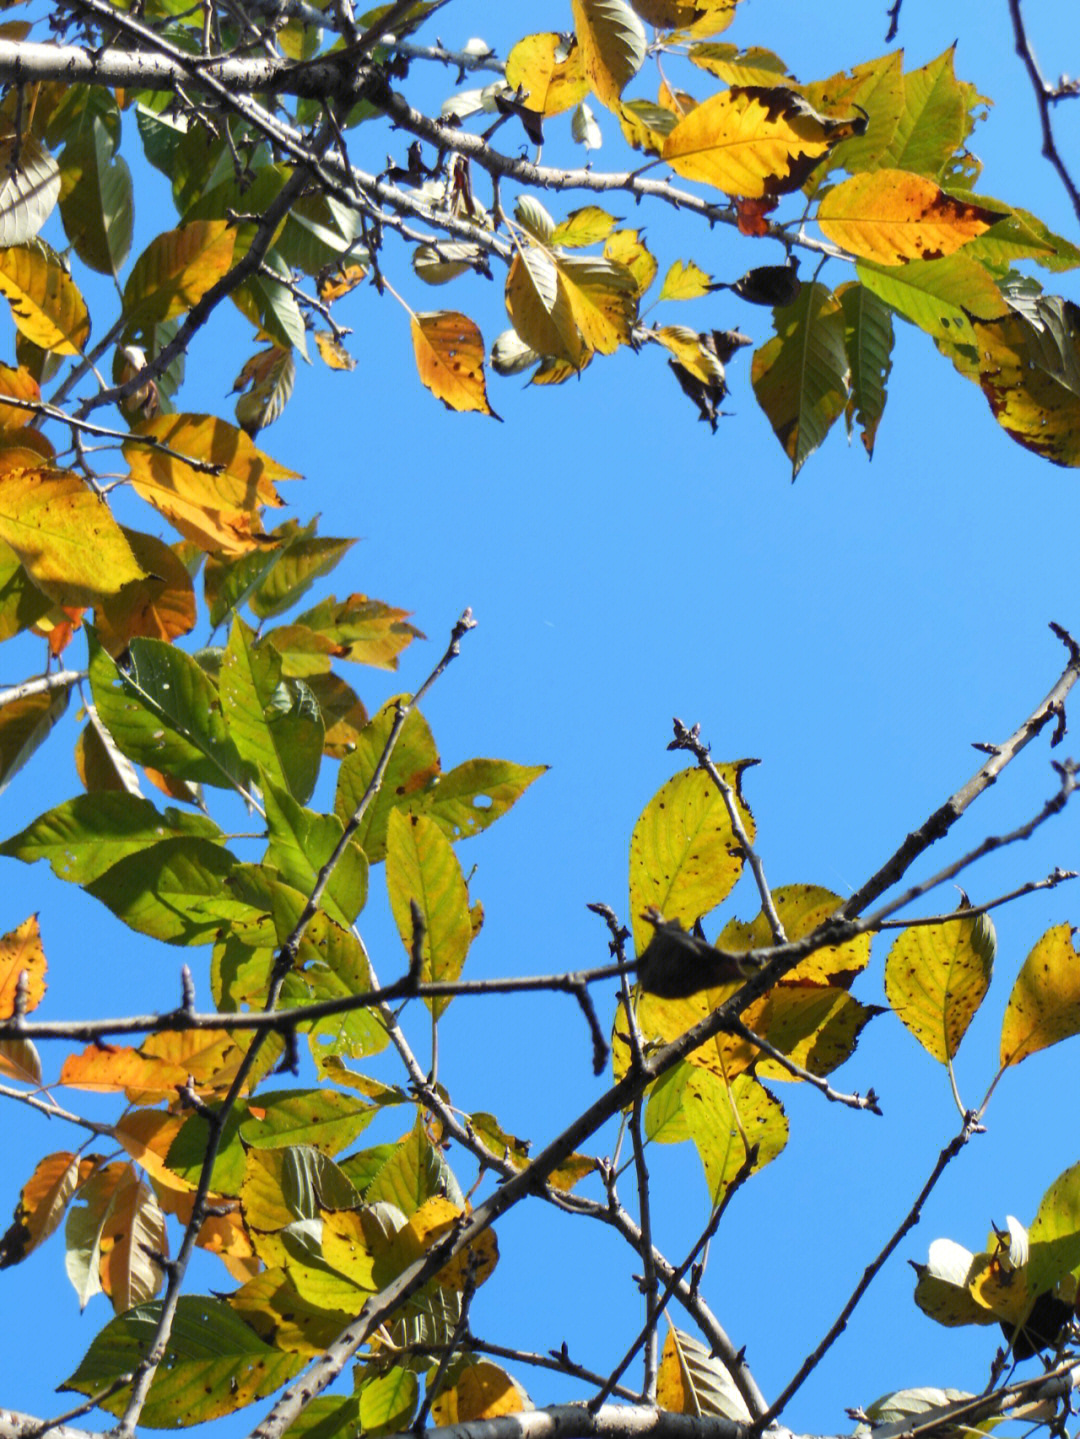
x,y
856,632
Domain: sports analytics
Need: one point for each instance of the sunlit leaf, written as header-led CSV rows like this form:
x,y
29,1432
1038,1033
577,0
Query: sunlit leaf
x,y
613,45
1044,1006
477,1389
892,216
684,858
160,605
66,538
549,72
22,968
43,1202
25,724
274,723
422,868
176,269
449,356
29,189
936,976
214,1363
45,304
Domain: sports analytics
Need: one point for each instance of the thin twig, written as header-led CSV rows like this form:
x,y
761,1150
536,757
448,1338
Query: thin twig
x,y
853,1101
1045,96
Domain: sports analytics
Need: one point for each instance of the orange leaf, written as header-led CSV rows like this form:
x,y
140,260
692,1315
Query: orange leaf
x,y
891,216
21,953
450,358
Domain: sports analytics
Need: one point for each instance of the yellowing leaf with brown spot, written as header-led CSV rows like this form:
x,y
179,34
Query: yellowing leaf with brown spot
x,y
699,17
603,300
477,1389
1029,371
750,141
691,351
67,540
332,352
435,1218
1044,1006
801,908
176,269
684,858
816,1026
161,604
539,307
552,73
613,45
936,976
216,511
450,358
21,953
891,216
45,303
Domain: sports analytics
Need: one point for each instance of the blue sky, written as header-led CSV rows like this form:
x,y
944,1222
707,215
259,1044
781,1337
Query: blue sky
x,y
855,631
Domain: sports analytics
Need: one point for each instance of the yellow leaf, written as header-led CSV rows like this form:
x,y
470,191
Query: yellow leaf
x,y
216,511
21,953
684,281
613,45
450,358
435,1218
700,17
935,978
539,307
161,604
332,352
20,1060
66,538
693,1381
801,908
21,385
587,226
603,300
477,1389
692,352
684,858
176,269
751,141
422,868
892,216
147,1135
816,1026
1044,1006
627,248
45,303
551,74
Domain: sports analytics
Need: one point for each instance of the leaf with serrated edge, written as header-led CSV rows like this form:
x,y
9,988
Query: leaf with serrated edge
x,y
1044,1007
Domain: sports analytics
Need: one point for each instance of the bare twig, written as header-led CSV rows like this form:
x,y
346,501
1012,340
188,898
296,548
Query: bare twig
x,y
1045,96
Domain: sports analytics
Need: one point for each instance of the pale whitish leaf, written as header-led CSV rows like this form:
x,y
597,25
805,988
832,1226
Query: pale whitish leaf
x,y
531,214
510,355
693,1381
29,188
584,129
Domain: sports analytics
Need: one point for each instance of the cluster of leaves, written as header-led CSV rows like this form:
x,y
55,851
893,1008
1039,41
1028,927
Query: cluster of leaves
x,y
308,1227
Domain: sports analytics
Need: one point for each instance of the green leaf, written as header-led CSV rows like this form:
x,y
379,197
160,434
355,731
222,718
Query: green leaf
x,y
683,853
214,1363
187,1153
936,976
421,866
22,604
868,340
800,377
937,118
941,296
96,201
413,764
1054,1236
387,1400
281,1185
721,1119
302,841
163,711
87,835
275,723
173,890
325,1119
415,1171
473,795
